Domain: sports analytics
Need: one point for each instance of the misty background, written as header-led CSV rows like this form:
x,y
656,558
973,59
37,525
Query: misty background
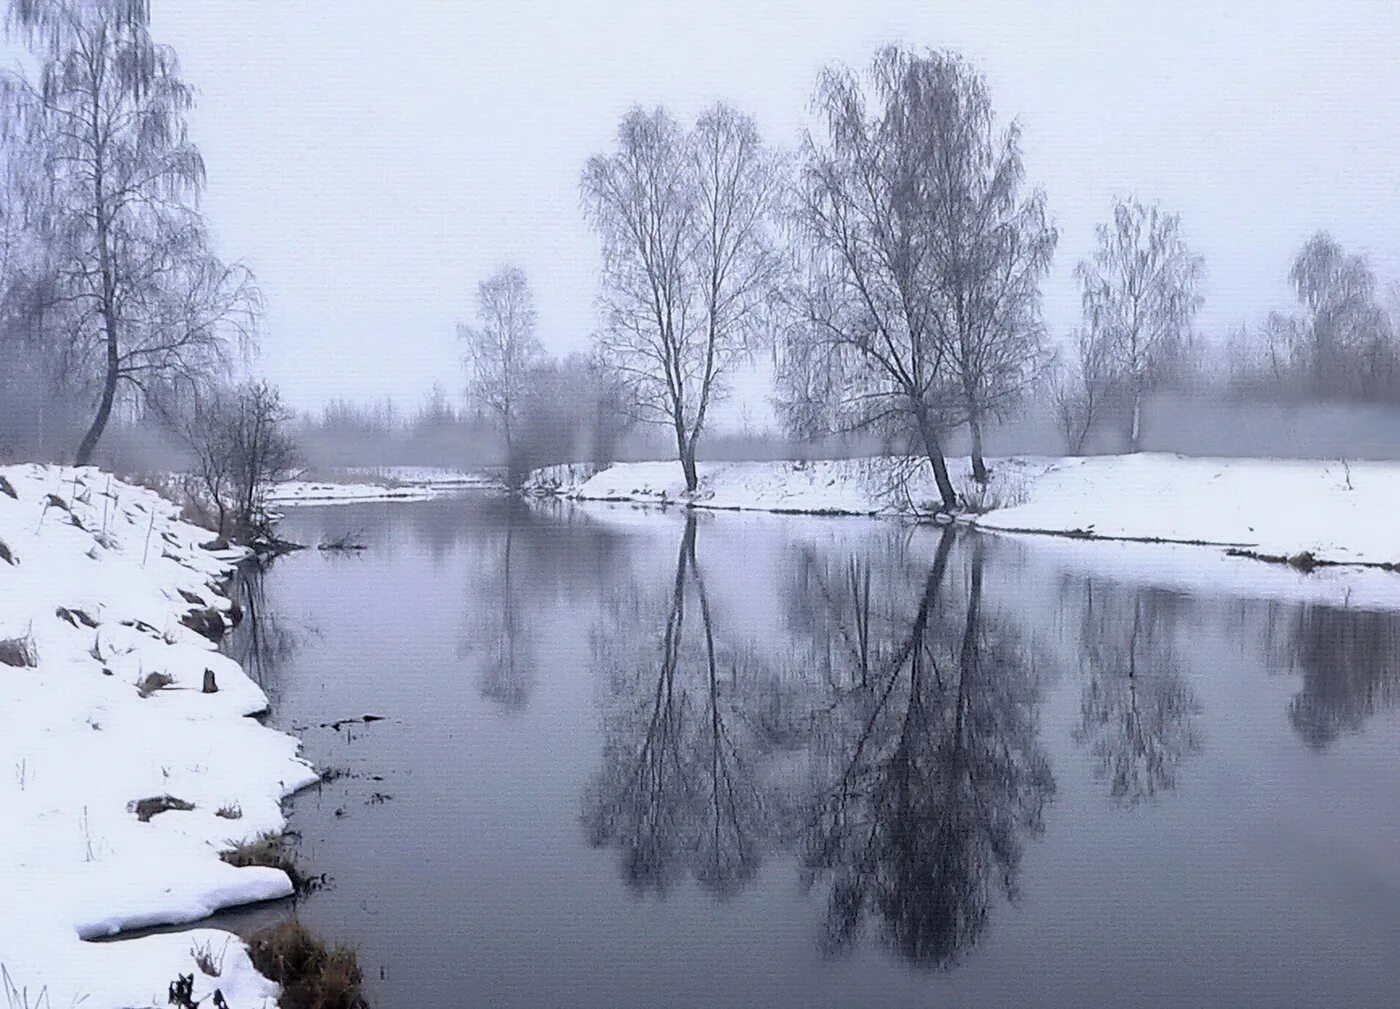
x,y
375,161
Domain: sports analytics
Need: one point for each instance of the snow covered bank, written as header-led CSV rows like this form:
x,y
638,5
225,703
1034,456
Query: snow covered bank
x,y
1338,512
381,483
98,581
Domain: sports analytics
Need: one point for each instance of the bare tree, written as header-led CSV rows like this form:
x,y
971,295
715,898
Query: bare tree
x,y
868,332
990,244
689,260
1080,389
1344,339
135,296
502,346
240,444
1140,294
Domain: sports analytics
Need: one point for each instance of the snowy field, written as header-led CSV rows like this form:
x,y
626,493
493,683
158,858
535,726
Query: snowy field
x,y
1340,512
380,483
95,578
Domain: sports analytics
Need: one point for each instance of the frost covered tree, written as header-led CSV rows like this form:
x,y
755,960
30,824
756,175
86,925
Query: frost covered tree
x,y
502,346
922,259
132,295
1140,294
991,243
690,263
1343,339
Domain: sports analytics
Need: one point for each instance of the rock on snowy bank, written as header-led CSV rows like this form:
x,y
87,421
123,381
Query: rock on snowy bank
x,y
113,710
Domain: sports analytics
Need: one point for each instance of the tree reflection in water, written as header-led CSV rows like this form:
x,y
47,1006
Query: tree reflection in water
x,y
1350,664
263,641
939,777
677,791
919,728
498,641
1137,713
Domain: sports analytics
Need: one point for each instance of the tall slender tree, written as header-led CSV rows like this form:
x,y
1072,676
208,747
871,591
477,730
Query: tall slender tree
x,y
134,295
689,260
867,320
1141,291
502,346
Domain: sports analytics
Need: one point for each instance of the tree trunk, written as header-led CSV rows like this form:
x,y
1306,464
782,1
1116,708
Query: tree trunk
x,y
934,449
104,407
1135,434
979,465
685,451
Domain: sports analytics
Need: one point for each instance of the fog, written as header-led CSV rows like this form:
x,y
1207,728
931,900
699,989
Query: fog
x,y
374,161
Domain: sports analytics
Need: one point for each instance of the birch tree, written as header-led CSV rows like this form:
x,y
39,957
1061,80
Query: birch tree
x,y
868,329
1140,294
991,243
502,346
686,221
135,297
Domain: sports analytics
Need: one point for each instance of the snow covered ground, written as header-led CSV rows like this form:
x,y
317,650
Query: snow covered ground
x,y
1337,511
95,578
380,483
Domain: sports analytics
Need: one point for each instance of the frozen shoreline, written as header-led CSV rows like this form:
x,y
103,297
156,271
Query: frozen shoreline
x,y
1336,512
103,574
380,483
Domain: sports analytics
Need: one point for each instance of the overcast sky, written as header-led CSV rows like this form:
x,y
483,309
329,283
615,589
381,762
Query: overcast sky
x,y
374,159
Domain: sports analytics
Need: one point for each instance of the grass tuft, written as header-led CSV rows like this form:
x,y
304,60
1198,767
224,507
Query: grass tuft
x,y
312,975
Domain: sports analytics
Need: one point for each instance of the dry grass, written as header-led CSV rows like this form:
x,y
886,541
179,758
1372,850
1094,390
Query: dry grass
x,y
157,804
210,963
151,682
312,975
270,851
233,811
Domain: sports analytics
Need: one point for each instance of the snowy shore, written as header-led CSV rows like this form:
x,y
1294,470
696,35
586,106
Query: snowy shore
x,y
98,581
1336,512
381,483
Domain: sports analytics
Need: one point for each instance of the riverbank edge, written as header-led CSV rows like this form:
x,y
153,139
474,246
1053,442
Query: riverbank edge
x,y
1336,513
134,576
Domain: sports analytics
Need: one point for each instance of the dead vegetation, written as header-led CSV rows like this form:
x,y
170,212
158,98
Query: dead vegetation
x,y
157,804
151,682
312,974
270,851
347,542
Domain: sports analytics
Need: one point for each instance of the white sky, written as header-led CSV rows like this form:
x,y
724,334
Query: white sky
x,y
374,159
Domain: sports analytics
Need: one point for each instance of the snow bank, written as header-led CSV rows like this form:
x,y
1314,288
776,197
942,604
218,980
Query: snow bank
x,y
819,487
380,483
1339,512
100,575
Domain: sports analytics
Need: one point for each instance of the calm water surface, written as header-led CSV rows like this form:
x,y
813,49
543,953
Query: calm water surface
x,y
635,759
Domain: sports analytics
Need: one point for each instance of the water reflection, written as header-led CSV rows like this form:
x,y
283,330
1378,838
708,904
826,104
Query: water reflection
x,y
934,776
1348,660
499,642
265,639
1137,713
677,790
917,715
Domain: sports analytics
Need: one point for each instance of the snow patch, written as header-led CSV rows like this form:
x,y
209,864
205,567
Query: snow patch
x,y
105,571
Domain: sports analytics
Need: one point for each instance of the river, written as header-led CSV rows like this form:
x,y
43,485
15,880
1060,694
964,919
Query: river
x,y
638,758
